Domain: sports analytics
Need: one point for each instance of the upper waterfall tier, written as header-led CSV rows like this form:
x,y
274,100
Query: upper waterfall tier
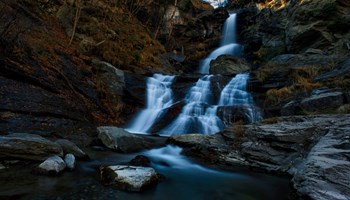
x,y
228,45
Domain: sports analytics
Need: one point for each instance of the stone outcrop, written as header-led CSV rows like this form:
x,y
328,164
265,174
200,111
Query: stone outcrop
x,y
28,146
228,65
312,149
130,178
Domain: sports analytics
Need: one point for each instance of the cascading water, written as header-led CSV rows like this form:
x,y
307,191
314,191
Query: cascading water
x,y
159,97
228,45
197,116
235,94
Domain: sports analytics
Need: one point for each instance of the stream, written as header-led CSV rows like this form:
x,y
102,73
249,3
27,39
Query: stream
x,y
183,179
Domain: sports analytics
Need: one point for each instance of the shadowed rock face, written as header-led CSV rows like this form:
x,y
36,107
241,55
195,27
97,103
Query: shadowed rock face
x,y
312,149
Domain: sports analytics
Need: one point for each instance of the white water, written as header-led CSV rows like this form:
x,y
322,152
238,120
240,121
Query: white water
x,y
228,45
197,116
159,97
235,93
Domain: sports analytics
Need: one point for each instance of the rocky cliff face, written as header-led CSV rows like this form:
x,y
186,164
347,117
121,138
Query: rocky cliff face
x,y
292,44
55,87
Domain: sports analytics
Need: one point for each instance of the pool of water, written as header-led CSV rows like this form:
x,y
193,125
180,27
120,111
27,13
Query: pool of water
x,y
183,180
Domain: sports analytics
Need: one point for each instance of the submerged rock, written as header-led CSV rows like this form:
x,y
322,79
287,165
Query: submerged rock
x,y
129,178
51,166
70,147
28,146
119,139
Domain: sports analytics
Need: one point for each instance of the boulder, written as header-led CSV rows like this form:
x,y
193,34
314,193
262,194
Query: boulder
x,y
140,160
228,65
28,146
51,166
69,159
70,147
120,140
319,101
130,178
291,108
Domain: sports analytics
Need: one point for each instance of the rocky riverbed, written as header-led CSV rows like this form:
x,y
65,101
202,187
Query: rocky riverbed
x,y
313,150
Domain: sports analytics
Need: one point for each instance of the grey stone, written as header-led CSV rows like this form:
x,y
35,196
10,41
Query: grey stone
x,y
52,166
69,159
119,139
70,147
28,146
319,102
131,178
228,65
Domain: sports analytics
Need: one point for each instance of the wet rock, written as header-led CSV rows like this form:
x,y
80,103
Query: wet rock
x,y
69,159
2,166
228,65
140,160
130,178
28,146
321,101
51,166
232,114
120,140
70,147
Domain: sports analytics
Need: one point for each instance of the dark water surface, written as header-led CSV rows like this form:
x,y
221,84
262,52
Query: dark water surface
x,y
183,180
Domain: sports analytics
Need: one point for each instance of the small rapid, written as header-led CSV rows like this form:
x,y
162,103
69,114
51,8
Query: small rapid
x,y
198,115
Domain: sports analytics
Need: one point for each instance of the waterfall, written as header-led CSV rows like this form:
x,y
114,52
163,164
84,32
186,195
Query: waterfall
x,y
159,97
228,45
235,94
197,116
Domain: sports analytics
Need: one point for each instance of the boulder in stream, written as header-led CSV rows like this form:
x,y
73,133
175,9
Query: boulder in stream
x,y
130,178
28,146
51,166
121,140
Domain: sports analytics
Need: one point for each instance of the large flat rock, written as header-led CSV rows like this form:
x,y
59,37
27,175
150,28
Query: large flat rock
x,y
28,146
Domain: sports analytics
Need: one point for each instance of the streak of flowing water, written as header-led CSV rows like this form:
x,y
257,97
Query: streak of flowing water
x,y
159,97
197,116
235,94
228,45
